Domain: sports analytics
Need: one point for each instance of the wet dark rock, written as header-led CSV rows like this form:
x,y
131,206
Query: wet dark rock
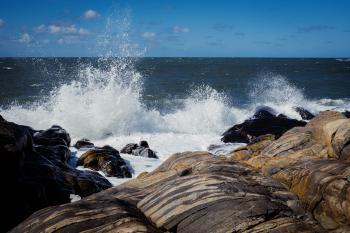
x,y
347,114
144,152
57,153
83,143
142,149
144,144
35,176
127,149
105,159
305,114
56,135
263,122
264,112
282,115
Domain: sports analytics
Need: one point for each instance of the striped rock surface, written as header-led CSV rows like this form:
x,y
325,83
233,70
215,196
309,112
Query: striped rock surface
x,y
313,162
190,192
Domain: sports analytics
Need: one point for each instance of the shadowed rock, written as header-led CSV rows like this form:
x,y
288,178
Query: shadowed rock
x,y
347,113
37,176
56,135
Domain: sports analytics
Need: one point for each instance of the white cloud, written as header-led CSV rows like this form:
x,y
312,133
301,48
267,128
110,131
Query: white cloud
x,y
149,35
40,28
178,29
25,38
67,30
83,31
2,23
90,14
54,29
70,39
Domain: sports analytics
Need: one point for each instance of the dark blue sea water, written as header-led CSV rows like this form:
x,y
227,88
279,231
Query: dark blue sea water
x,y
30,79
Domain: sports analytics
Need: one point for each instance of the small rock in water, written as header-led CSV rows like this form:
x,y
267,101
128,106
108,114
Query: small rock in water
x,y
105,159
127,149
142,149
144,152
144,144
83,143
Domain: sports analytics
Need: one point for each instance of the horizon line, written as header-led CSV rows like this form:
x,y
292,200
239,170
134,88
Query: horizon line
x,y
236,57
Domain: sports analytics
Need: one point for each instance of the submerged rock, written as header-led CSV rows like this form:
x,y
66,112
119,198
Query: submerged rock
x,y
263,122
35,176
105,159
142,149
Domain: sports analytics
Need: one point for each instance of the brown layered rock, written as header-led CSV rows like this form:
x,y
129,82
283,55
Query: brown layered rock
x,y
324,188
190,192
309,161
252,149
105,159
98,215
35,176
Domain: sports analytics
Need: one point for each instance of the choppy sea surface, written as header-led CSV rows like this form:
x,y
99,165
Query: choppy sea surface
x,y
176,104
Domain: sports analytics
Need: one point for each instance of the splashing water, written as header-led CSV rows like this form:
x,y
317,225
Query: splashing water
x,y
104,103
275,91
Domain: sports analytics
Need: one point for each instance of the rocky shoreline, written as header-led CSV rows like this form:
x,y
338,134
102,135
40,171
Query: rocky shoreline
x,y
292,176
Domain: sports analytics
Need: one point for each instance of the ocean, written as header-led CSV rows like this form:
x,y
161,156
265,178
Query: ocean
x,y
176,104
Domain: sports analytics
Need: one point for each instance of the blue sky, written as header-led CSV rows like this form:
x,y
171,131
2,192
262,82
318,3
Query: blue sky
x,y
235,28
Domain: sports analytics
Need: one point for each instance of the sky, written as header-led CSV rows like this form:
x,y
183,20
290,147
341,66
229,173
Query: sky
x,y
175,28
